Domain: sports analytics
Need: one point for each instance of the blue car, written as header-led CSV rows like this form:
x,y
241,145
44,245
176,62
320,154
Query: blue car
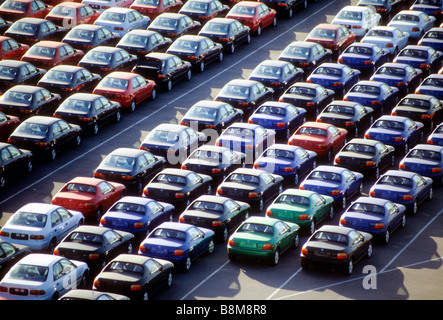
x,y
251,139
432,85
399,75
433,38
407,188
337,182
379,217
179,243
430,7
366,57
425,159
436,137
282,117
374,94
400,132
137,215
290,162
425,58
335,76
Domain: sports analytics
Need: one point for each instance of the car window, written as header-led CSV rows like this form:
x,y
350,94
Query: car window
x,y
65,215
105,187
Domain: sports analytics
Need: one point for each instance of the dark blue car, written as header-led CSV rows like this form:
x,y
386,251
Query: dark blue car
x,y
375,94
432,85
433,38
436,137
366,57
290,162
425,58
379,217
400,132
282,117
425,159
335,76
337,182
407,188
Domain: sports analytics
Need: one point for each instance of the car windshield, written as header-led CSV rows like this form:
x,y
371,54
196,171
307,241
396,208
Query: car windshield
x,y
324,175
322,33
99,56
246,178
9,72
29,272
84,237
164,22
240,132
243,10
203,112
406,17
116,83
414,53
437,82
359,148
205,205
64,11
78,33
235,90
395,180
123,266
147,2
183,44
168,233
207,155
170,178
279,153
113,16
292,199
389,125
79,187
367,207
380,33
350,15
272,110
216,27
128,207
330,236
75,105
392,71
311,130
120,162
42,51
256,227
134,39
359,50
59,76
340,110
15,5
34,129
29,219
302,91
328,71
439,129
198,6
434,35
417,103
366,89
267,71
296,51
424,154
163,136
24,27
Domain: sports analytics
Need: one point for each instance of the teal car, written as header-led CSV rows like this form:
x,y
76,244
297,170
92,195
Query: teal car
x,y
303,207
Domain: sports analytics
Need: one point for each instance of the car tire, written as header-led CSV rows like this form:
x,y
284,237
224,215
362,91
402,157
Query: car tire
x,y
311,229
169,280
98,214
232,48
387,236
153,93
95,128
52,153
202,66
220,56
118,116
211,246
369,251
169,85
189,75
296,242
2,182
259,30
276,257
349,268
188,263
133,106
130,248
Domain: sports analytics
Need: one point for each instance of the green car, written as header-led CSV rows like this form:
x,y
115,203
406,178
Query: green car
x,y
303,207
263,238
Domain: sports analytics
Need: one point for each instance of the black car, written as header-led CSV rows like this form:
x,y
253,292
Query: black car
x,y
95,245
89,111
14,72
198,50
217,162
164,68
310,96
87,36
256,187
204,10
220,214
230,33
244,94
142,42
135,276
4,25
13,163
366,156
46,135
24,101
31,30
278,75
104,60
352,116
178,187
208,114
10,253
131,167
66,80
286,7
386,8
337,247
305,55
174,25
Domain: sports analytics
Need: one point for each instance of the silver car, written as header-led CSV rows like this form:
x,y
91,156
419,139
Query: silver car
x,y
389,38
416,23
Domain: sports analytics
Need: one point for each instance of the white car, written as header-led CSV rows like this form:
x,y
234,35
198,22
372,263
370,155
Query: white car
x,y
358,19
389,38
122,20
40,226
40,276
102,5
416,23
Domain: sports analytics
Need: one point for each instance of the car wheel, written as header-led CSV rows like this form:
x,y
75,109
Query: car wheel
x,y
274,22
377,173
387,236
2,181
312,227
55,296
232,48
52,245
369,251
211,246
83,281
296,178
132,107
202,66
248,38
145,295
189,75
296,241
169,280
350,267
290,13
209,190
331,213
98,214
329,156
78,140
154,93
225,234
188,263
118,116
53,153
169,85
276,257
430,194
261,204
258,32
220,56
344,202
95,128
414,208
130,248
403,222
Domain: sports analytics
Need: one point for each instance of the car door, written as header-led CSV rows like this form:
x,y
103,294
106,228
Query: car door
x,y
61,133
65,276
282,233
58,228
197,243
268,186
232,215
155,277
195,184
356,245
7,163
112,245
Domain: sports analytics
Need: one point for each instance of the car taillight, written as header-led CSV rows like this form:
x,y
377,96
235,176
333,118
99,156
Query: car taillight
x,y
37,237
341,256
303,216
93,256
179,252
268,246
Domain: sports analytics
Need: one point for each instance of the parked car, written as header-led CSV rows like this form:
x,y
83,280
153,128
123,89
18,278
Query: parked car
x,y
13,10
432,8
358,19
142,42
432,85
287,8
389,38
32,30
122,20
436,137
14,162
102,5
365,57
152,8
89,294
332,36
421,57
384,7
433,38
426,160
15,72
7,124
174,25
204,10
104,60
88,36
11,49
70,14
10,253
414,22
256,16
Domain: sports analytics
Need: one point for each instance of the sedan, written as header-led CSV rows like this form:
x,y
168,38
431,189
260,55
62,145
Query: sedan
x,y
32,30
8,124
104,60
352,116
204,10
12,10
142,42
174,25
335,76
102,5
332,36
180,243
379,217
43,277
384,7
153,8
11,49
433,38
256,16
337,247
131,167
290,162
220,214
137,215
10,253
88,36
278,75
127,88
282,117
436,137
122,20
365,57
263,238
425,58
134,276
70,14
431,85
89,111
91,196
400,132
389,38
40,225
198,50
365,156
414,22
15,72
322,138
89,294
4,25
358,19
431,7
287,8
230,33
256,187
13,163
407,188
426,160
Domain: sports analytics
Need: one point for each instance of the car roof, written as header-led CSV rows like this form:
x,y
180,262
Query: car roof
x,y
119,10
368,142
130,152
242,82
335,229
192,37
41,120
222,20
354,8
281,146
175,226
172,127
207,147
142,32
304,44
430,147
132,258
401,173
72,4
330,168
91,229
40,259
333,65
306,85
274,63
212,198
249,171
31,20
392,118
13,63
160,55
328,26
66,68
248,3
345,103
137,200
175,171
395,65
300,192
321,125
25,88
107,49
50,43
262,220
244,125
84,96
419,95
38,207
122,75
86,26
171,15
371,200
86,180
210,104
280,104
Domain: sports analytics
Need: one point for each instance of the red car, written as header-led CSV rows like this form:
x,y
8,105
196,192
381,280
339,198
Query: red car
x,y
129,89
323,138
11,49
153,8
70,14
48,54
331,36
255,15
7,125
90,196
13,10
